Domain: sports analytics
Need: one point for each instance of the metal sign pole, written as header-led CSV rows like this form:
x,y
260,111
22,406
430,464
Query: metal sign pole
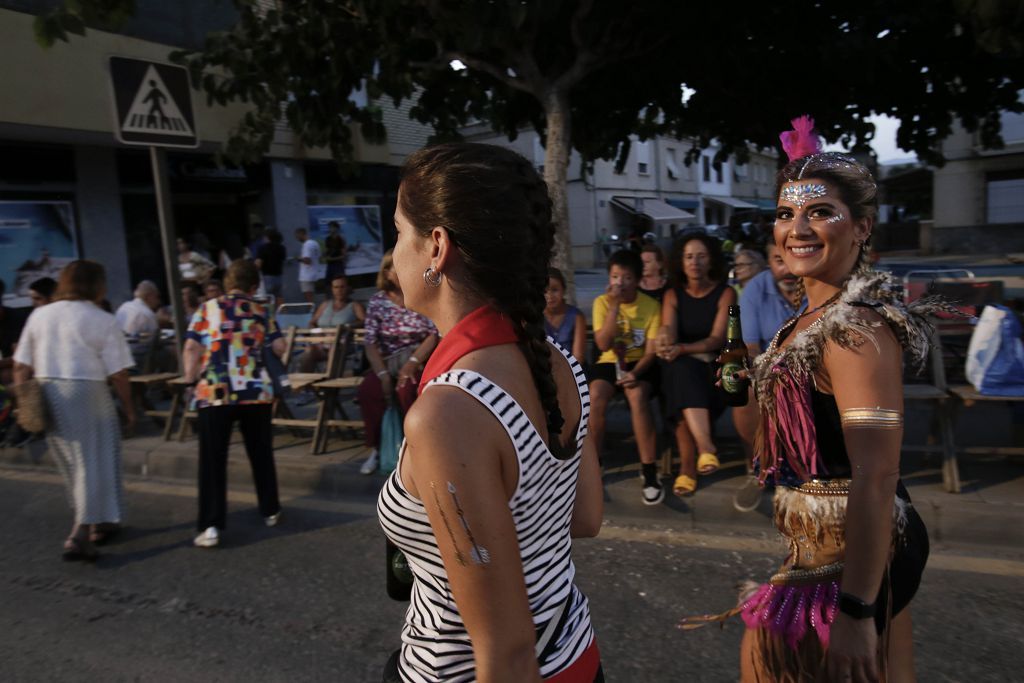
x,y
165,211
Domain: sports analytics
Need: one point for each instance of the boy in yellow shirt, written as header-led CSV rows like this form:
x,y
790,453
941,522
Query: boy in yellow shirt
x,y
626,322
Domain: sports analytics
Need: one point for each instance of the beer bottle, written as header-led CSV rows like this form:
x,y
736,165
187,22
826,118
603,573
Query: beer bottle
x,y
399,576
733,359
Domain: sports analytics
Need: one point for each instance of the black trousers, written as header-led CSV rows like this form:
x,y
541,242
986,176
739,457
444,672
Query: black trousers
x,y
214,425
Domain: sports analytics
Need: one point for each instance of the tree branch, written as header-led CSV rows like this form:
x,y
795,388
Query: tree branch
x,y
585,59
491,69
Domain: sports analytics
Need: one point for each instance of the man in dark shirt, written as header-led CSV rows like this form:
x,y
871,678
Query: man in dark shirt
x,y
270,260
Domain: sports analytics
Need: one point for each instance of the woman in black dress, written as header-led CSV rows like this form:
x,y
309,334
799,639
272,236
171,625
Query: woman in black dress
x,y
694,314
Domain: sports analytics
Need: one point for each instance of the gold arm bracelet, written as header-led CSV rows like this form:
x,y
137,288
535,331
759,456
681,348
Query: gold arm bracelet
x,y
871,418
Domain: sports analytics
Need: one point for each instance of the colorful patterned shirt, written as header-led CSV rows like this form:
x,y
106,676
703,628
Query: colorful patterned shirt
x,y
392,327
233,330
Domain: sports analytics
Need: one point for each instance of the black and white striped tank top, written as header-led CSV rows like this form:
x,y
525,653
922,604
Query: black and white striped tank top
x,y
435,644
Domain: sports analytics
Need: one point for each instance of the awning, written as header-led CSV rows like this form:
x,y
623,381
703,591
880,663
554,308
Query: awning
x,y
657,210
687,204
730,201
766,204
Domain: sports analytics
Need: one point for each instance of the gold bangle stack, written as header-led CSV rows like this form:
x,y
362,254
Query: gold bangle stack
x,y
871,418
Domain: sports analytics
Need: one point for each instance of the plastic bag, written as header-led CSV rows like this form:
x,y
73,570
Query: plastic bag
x,y
995,356
391,437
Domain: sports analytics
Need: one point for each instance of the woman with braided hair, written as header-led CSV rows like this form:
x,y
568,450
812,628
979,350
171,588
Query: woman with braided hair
x,y
829,388
496,474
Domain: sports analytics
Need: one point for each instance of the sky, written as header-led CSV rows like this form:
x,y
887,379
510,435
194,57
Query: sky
x,y
884,142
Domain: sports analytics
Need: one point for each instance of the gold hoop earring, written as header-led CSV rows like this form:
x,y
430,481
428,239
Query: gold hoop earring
x,y
432,277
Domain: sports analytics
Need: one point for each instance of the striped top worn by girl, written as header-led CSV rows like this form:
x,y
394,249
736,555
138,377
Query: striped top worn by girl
x,y
435,644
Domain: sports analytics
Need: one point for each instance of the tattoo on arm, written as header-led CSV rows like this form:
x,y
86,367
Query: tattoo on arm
x,y
478,554
871,418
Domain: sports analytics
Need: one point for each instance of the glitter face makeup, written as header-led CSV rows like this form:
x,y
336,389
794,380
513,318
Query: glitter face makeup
x,y
871,418
803,193
835,219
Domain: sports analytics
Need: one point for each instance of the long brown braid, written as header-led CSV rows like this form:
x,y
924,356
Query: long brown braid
x,y
497,212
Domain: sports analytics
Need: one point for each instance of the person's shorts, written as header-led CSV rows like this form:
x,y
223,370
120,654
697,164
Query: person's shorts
x,y
307,286
272,285
606,372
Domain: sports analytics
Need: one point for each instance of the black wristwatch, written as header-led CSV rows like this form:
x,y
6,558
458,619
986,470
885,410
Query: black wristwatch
x,y
852,606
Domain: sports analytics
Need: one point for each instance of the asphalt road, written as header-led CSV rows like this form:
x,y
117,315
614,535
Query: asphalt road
x,y
305,601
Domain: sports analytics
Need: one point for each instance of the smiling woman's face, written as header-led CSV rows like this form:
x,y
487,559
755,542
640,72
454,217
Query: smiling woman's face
x,y
816,232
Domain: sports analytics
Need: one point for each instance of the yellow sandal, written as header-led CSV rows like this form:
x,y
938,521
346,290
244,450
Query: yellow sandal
x,y
707,463
685,485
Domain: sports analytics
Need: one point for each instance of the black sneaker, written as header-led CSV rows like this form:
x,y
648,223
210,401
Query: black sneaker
x,y
653,494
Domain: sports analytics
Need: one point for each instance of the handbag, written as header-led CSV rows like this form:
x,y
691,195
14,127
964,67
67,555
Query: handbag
x,y
391,436
33,415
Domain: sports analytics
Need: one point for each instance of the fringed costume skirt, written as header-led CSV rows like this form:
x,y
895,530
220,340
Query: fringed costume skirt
x,y
791,615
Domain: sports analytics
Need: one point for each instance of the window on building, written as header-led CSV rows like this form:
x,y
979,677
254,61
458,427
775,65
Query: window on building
x,y
739,172
1012,127
1005,200
643,157
718,173
670,164
706,164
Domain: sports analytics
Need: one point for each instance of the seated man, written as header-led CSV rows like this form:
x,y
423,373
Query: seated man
x,y
770,298
138,316
140,319
626,322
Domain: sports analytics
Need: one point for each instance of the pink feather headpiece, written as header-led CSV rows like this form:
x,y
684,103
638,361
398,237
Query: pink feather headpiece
x,y
801,141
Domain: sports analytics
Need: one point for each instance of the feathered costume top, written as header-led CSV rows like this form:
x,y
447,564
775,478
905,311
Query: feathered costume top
x,y
783,378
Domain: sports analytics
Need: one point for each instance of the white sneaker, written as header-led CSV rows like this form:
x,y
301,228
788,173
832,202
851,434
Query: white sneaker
x,y
653,495
748,496
208,539
370,466
273,519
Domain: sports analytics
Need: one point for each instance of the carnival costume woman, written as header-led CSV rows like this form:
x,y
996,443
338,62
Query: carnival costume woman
x,y
802,450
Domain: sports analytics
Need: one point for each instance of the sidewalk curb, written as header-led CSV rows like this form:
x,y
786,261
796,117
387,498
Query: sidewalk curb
x,y
952,519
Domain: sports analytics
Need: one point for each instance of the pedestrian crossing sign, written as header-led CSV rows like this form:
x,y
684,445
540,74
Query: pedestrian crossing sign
x,y
152,104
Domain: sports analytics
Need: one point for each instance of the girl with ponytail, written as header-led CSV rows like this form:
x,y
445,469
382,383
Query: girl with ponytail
x,y
496,474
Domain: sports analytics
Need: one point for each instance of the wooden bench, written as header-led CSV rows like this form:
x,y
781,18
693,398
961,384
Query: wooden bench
x,y
141,384
968,396
337,340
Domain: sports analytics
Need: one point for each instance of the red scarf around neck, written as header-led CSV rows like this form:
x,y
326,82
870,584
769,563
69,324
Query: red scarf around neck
x,y
484,327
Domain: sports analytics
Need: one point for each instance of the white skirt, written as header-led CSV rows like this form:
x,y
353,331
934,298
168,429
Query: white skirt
x,y
85,439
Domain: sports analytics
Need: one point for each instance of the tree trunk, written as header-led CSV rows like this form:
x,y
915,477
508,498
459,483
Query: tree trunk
x,y
556,168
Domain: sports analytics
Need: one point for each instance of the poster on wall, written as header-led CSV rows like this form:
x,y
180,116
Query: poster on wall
x,y
360,226
37,239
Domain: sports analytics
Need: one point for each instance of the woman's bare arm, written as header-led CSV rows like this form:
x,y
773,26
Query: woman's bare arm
x,y
866,381
22,373
453,463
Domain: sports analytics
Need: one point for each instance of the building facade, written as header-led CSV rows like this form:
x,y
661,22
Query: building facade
x,y
979,193
656,191
59,157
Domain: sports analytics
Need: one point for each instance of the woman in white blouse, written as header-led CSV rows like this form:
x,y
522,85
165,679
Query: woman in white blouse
x,y
74,348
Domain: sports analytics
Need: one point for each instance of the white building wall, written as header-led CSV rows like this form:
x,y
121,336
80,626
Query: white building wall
x,y
961,192
654,169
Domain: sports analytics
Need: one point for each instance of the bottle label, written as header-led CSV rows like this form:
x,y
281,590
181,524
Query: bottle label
x,y
732,386
732,330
